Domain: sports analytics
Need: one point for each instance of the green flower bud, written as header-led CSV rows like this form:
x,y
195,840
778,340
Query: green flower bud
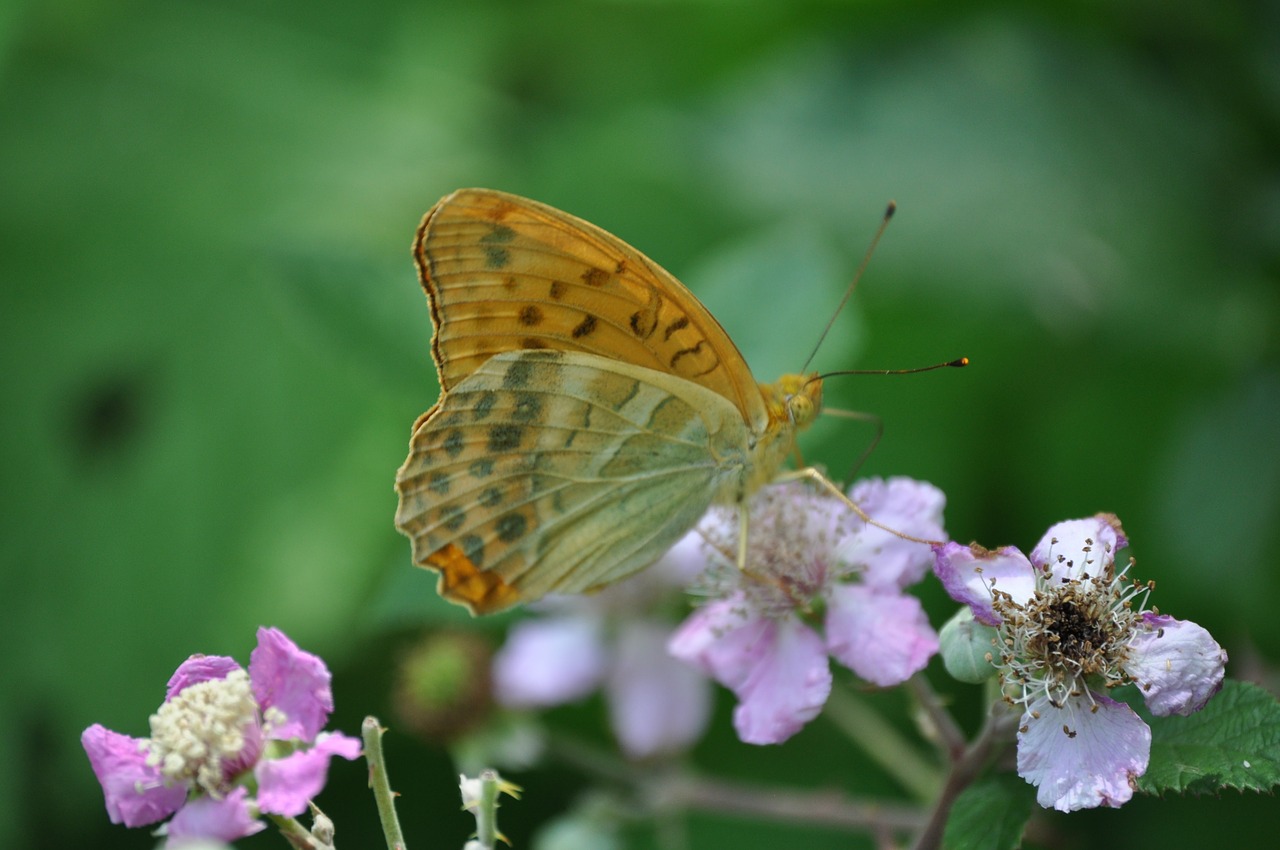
x,y
967,647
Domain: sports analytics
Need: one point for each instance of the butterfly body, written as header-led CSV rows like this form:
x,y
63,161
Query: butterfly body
x,y
591,408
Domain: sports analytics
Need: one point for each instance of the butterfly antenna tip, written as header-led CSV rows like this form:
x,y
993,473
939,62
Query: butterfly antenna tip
x,y
853,284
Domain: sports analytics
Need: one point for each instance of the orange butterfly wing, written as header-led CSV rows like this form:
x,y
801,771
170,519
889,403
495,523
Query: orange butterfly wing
x,y
504,273
591,407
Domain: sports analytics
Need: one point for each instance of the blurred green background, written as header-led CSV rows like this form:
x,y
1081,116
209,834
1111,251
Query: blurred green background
x,y
214,342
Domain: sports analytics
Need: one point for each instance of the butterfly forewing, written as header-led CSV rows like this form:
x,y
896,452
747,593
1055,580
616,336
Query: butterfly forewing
x,y
504,273
558,471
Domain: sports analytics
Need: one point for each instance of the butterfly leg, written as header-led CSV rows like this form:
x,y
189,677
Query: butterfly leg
x,y
818,477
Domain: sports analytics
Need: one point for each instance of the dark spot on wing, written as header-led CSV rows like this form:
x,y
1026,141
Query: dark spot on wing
x,y
678,324
675,358
454,443
517,375
439,483
715,364
512,527
595,277
586,426
642,325
530,315
635,389
452,517
532,342
491,497
620,267
505,438
495,257
473,548
484,405
498,234
585,327
528,408
557,290
481,467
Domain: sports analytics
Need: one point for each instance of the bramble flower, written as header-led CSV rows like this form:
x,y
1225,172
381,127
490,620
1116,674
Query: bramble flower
x,y
1069,628
614,640
222,734
812,563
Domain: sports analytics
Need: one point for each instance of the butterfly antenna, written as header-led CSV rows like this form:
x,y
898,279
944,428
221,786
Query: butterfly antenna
x,y
853,284
959,362
871,417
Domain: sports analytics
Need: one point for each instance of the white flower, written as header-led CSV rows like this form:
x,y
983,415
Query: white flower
x,y
1070,628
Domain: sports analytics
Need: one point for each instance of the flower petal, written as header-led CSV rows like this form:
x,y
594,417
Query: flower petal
x,y
656,704
225,819
548,662
135,792
909,506
1095,766
293,681
787,687
716,639
968,573
1177,664
884,637
197,669
1077,546
286,784
777,668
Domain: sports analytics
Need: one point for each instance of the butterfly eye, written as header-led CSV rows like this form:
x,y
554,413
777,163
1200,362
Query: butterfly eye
x,y
800,407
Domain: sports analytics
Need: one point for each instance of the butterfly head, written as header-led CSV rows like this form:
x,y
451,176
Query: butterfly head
x,y
795,398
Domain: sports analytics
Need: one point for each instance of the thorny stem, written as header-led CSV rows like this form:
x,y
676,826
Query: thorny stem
x,y
371,731
486,811
298,835
963,771
677,790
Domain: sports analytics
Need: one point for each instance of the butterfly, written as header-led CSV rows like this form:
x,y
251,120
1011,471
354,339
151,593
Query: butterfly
x,y
591,408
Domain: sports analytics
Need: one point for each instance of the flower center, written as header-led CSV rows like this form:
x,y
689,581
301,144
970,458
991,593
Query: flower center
x,y
791,537
206,733
1068,632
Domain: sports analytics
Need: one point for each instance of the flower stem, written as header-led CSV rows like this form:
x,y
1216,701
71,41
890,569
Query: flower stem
x,y
667,790
487,811
298,835
372,731
949,735
964,770
882,743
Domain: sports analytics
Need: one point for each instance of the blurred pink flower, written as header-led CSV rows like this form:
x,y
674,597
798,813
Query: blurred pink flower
x,y
614,640
808,552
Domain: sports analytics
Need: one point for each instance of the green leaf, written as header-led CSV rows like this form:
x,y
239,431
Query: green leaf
x,y
990,815
1233,742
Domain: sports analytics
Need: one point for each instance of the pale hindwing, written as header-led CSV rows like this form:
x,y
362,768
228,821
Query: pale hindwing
x,y
505,273
560,471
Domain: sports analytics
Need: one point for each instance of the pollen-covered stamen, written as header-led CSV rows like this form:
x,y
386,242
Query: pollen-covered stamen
x,y
206,733
1069,634
789,536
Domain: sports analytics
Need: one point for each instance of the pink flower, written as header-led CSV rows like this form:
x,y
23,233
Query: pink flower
x,y
1069,628
807,552
219,727
614,640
